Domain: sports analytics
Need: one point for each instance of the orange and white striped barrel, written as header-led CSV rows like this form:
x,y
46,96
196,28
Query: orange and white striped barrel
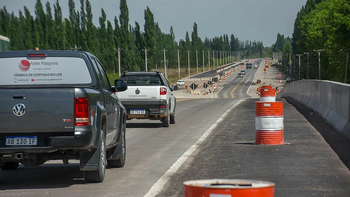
x,y
228,188
269,124
267,94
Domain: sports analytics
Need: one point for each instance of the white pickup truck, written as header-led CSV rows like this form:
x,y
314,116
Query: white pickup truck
x,y
148,96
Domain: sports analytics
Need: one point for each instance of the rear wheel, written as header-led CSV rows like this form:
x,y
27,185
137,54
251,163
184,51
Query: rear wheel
x,y
120,162
166,120
172,118
99,174
10,166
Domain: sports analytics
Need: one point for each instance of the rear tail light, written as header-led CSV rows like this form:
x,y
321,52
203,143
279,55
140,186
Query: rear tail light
x,y
162,106
81,112
163,91
37,55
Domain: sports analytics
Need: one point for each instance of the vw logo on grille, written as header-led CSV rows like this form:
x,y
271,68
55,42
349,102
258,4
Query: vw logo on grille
x,y
137,91
19,109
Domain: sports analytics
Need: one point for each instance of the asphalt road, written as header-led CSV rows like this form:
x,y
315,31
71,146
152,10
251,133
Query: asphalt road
x,y
151,150
199,146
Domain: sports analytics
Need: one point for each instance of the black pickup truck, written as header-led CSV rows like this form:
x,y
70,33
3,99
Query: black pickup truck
x,y
59,105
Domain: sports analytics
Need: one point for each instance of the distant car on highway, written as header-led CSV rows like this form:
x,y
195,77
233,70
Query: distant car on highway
x,y
249,65
180,82
289,79
243,72
239,75
256,66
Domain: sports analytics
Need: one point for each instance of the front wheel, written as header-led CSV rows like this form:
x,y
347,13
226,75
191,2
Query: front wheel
x,y
98,175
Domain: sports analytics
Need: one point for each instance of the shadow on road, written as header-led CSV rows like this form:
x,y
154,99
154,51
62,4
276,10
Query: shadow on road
x,y
335,139
143,125
44,176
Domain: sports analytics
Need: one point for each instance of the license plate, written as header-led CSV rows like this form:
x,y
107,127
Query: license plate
x,y
137,111
21,140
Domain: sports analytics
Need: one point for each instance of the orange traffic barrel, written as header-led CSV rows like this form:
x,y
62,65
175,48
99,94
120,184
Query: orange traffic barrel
x,y
267,86
186,86
228,187
267,94
269,124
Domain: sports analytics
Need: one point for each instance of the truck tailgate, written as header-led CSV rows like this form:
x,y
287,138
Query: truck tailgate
x,y
36,110
140,93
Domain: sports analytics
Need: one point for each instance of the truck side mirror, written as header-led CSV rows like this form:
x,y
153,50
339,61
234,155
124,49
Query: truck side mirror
x,y
120,85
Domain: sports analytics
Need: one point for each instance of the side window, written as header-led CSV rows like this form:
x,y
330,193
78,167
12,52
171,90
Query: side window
x,y
99,76
166,83
106,85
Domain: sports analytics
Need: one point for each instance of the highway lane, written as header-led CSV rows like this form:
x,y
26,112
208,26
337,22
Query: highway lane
x,y
211,73
151,150
237,87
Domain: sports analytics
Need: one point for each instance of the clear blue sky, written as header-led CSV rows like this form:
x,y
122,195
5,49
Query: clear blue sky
x,y
258,20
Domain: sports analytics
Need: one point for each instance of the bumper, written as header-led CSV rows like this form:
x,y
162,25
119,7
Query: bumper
x,y
152,108
81,139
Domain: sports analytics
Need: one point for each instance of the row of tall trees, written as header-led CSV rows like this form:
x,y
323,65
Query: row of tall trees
x,y
323,25
48,29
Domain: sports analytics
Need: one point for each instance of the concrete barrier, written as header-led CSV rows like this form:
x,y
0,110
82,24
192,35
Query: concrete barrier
x,y
330,99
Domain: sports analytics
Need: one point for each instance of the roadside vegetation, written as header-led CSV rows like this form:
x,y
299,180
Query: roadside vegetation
x,y
320,25
48,29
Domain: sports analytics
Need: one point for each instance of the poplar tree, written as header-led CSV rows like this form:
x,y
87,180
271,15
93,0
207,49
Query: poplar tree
x,y
59,27
124,35
83,23
40,19
150,35
90,25
50,36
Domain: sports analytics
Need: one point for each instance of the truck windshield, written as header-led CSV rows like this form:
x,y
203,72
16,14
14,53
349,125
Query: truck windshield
x,y
134,80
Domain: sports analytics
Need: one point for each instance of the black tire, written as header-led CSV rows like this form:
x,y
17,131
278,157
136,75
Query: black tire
x,y
172,118
120,162
10,166
98,175
166,120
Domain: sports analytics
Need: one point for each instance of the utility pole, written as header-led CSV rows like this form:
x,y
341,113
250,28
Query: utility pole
x,y
307,69
346,65
75,47
217,59
214,59
197,59
203,61
146,57
220,57
165,71
119,70
189,67
299,55
178,61
319,62
290,64
209,60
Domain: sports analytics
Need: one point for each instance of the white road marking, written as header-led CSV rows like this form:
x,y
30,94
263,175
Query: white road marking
x,y
158,186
